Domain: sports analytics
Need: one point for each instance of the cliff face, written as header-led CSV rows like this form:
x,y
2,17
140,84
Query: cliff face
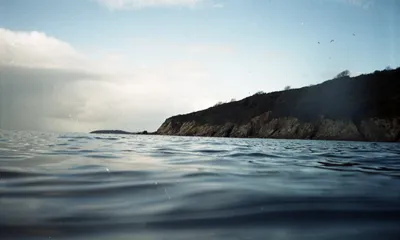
x,y
372,129
365,108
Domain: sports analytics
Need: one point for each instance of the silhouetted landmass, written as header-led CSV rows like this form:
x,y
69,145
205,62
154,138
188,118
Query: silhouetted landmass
x,y
366,107
111,132
117,132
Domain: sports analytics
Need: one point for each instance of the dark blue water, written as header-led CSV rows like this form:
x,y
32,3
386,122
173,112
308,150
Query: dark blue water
x,y
81,186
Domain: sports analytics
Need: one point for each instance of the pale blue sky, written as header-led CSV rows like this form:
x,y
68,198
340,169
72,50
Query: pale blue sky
x,y
236,47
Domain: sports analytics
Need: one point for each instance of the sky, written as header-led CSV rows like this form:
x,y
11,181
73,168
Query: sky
x,y
81,65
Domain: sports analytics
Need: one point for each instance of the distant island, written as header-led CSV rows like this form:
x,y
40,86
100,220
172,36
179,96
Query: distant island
x,y
362,108
117,132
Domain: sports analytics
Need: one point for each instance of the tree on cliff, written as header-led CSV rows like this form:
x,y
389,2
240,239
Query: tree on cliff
x,y
345,73
218,104
259,93
287,88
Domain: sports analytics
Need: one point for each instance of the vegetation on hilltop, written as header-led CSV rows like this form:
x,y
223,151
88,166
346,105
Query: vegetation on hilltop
x,y
344,97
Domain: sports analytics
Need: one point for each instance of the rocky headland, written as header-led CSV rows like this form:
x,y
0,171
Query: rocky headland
x,y
362,108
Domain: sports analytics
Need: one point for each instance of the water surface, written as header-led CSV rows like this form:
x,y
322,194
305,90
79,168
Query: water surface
x,y
82,186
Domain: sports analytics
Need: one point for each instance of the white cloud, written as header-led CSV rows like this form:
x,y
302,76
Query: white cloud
x,y
36,49
139,4
46,84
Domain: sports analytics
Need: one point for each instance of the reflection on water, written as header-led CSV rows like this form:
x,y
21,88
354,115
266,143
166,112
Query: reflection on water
x,y
156,187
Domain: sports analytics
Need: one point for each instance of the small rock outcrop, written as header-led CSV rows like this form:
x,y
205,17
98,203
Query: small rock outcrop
x,y
119,132
110,132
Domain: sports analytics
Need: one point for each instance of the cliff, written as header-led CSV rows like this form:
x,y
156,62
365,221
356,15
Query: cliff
x,y
362,108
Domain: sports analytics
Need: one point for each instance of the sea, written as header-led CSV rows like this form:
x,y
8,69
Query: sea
x,y
87,186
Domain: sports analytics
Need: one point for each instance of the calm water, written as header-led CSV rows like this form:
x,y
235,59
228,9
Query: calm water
x,y
81,186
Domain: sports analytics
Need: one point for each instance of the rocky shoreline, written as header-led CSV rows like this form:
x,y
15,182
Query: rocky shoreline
x,y
374,129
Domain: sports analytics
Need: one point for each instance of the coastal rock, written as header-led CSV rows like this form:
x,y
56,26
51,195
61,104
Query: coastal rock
x,y
241,131
167,128
293,128
225,130
337,130
287,127
375,129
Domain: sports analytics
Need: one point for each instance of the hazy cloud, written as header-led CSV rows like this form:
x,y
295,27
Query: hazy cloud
x,y
191,48
139,4
46,84
218,5
358,3
209,49
361,3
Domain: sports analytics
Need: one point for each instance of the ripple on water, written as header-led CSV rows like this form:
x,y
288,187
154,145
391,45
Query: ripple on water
x,y
73,186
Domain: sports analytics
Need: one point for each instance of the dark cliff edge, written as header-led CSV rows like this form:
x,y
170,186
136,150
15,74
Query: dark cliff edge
x,y
362,108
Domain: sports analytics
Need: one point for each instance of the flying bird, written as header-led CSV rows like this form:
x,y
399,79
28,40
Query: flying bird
x,y
318,42
354,34
332,41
